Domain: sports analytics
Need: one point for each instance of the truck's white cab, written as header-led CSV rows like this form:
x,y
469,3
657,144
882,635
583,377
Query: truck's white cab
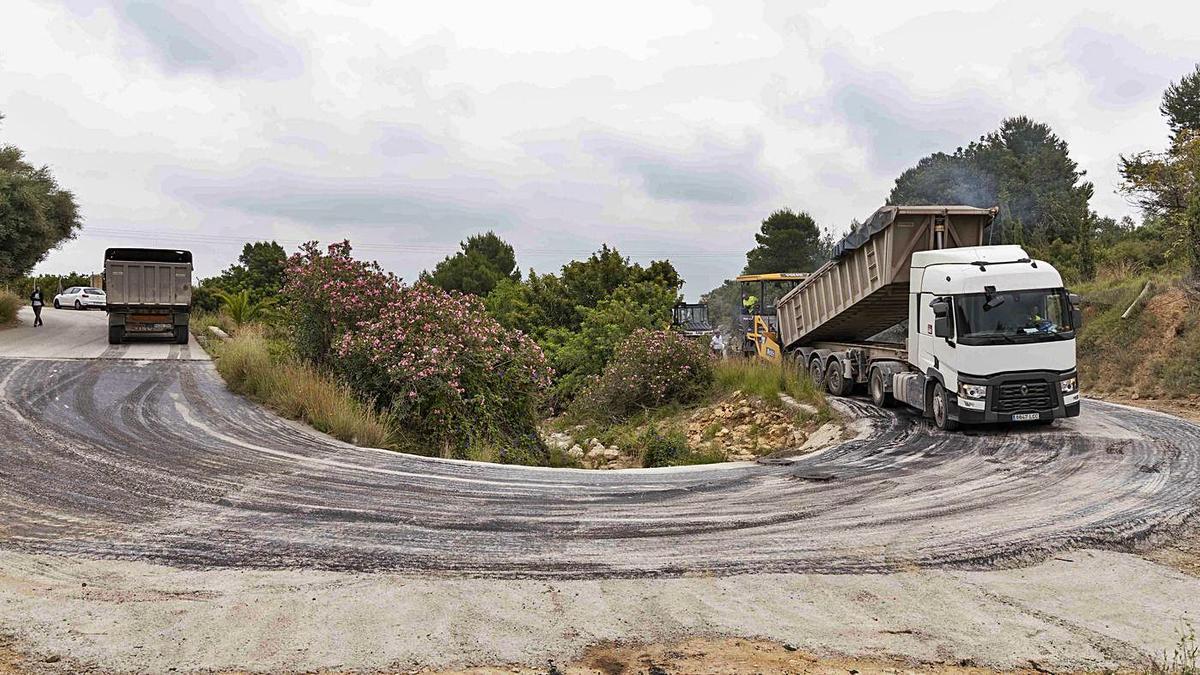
x,y
991,338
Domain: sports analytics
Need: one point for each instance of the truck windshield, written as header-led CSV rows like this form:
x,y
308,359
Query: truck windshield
x,y
1013,316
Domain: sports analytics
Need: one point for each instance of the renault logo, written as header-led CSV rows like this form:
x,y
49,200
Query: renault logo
x,y
1024,390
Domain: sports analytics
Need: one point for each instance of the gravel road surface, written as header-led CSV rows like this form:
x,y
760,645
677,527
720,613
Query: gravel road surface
x,y
137,454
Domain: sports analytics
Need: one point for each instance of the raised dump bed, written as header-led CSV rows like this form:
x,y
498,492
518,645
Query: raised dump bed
x,y
864,289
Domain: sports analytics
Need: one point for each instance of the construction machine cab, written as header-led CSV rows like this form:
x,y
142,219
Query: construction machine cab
x,y
758,321
690,319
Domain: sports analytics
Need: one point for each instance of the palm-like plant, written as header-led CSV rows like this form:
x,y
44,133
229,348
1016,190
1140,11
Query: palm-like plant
x,y
241,309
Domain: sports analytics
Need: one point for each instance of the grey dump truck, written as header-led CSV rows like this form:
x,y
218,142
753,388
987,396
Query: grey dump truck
x,y
990,334
149,293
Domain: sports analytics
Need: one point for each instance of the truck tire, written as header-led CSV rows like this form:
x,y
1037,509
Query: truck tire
x,y
941,409
181,335
835,382
817,373
116,335
880,396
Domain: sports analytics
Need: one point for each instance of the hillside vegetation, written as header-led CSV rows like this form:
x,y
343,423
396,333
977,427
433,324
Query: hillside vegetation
x,y
1155,352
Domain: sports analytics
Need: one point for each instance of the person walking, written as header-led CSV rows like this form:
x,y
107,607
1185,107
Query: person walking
x,y
717,345
35,299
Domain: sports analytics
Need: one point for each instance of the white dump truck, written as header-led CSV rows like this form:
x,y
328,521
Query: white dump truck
x,y
990,333
149,293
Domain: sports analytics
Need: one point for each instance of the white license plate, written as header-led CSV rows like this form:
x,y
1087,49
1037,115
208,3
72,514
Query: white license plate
x,y
1025,417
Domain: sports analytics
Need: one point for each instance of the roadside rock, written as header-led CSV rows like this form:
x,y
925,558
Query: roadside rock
x,y
744,427
827,434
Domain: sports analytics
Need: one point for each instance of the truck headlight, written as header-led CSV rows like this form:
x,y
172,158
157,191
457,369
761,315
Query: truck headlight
x,y
1069,385
976,391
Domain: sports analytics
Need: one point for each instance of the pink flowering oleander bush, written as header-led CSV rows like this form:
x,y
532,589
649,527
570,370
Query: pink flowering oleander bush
x,y
649,369
453,380
327,293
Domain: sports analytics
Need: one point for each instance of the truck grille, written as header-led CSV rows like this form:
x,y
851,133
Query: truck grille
x,y
1025,397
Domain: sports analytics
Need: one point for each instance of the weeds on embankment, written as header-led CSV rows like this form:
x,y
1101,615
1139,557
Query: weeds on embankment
x,y
1184,658
247,363
767,381
9,304
1154,352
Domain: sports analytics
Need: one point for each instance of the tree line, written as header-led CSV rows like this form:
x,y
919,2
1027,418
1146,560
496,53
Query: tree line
x,y
1043,196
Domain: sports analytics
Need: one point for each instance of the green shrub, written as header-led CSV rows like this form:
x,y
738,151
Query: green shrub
x,y
580,355
650,368
9,304
240,308
663,448
669,447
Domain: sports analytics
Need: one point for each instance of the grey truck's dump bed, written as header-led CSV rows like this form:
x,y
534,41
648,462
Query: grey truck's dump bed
x,y
864,289
144,278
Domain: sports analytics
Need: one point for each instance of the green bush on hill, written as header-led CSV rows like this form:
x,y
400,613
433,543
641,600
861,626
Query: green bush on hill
x,y
649,369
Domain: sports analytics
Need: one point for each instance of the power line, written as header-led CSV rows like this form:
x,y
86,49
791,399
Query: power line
x,y
382,247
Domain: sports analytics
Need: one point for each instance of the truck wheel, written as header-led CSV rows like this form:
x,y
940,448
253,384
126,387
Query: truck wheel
x,y
941,409
116,334
835,382
880,396
181,335
817,373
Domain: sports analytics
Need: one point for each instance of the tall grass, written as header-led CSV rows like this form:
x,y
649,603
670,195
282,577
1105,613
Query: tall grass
x,y
298,391
9,304
767,381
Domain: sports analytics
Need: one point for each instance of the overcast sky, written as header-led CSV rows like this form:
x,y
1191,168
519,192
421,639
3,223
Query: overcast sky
x,y
666,128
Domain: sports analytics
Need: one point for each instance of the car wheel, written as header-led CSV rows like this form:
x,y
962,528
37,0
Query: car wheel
x,y
78,306
880,396
941,409
56,305
835,382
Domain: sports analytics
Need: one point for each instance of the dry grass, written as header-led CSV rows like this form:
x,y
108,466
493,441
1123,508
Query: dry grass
x,y
298,391
1154,353
9,304
767,381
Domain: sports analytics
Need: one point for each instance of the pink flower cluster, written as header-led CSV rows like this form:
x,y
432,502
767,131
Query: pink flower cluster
x,y
436,359
649,369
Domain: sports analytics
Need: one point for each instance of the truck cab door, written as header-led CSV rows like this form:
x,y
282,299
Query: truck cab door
x,y
937,352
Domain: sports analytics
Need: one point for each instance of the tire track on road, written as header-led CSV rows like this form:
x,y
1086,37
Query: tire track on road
x,y
158,461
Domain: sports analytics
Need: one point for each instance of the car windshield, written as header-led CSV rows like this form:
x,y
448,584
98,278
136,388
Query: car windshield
x,y
1013,316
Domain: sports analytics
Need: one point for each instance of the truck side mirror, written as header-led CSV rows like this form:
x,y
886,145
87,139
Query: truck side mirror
x,y
941,319
1076,310
942,327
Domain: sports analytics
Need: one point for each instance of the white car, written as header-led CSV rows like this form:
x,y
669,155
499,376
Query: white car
x,y
80,297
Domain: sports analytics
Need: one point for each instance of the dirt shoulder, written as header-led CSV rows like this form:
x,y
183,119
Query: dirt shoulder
x,y
724,656
1083,610
695,656
1188,409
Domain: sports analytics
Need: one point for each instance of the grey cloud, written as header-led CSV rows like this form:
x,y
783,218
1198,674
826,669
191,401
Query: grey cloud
x,y
1120,72
400,141
455,203
712,171
896,125
224,38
